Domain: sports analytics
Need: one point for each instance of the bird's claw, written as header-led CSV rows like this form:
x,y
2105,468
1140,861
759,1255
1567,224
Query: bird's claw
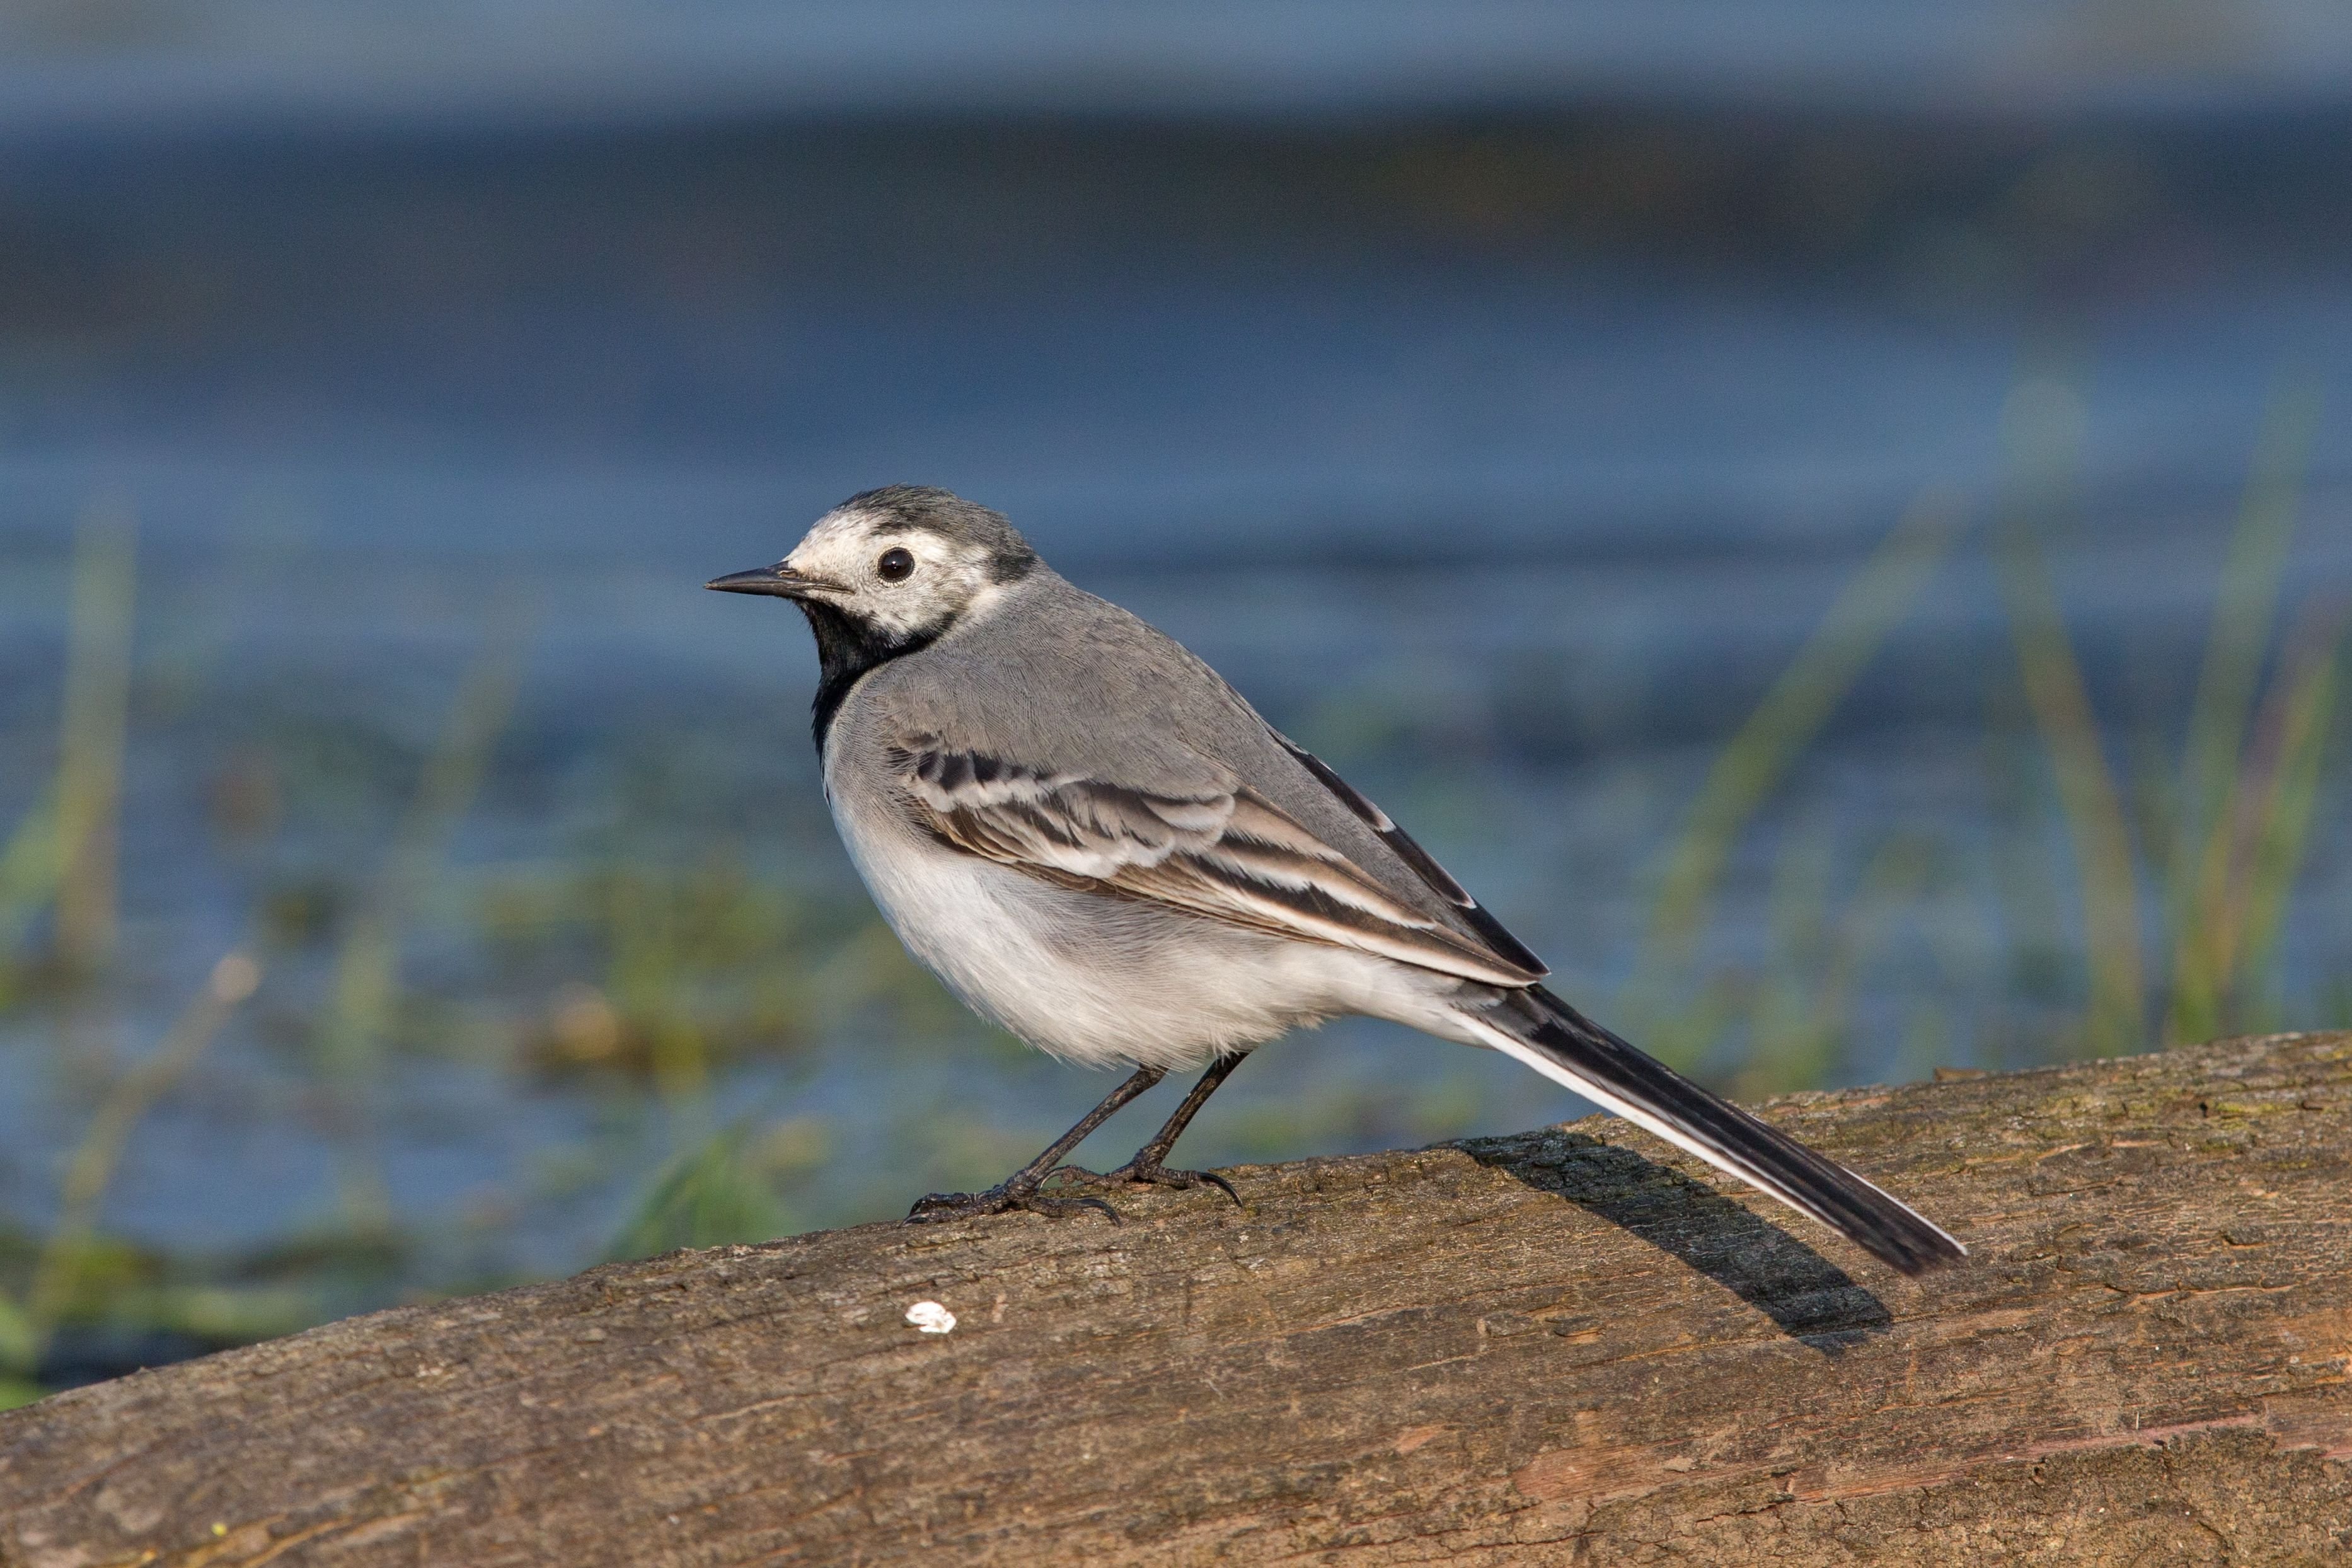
x,y
1154,1175
1162,1176
935,1207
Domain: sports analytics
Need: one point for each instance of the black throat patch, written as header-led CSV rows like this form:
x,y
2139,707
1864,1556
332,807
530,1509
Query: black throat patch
x,y
846,650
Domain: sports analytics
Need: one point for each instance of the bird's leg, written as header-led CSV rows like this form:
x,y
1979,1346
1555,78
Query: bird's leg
x,y
1147,1165
1019,1190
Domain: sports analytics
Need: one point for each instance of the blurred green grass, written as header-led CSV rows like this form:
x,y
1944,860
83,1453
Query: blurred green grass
x,y
2121,905
2179,913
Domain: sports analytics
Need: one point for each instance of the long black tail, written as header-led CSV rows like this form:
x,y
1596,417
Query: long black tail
x,y
1562,1044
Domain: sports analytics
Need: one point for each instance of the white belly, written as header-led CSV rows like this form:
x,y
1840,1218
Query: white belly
x,y
1099,979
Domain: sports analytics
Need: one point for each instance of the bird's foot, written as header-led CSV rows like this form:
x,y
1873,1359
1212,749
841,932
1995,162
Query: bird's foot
x,y
1151,1174
933,1208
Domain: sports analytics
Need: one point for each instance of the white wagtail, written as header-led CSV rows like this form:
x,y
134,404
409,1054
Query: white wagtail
x,y
1090,837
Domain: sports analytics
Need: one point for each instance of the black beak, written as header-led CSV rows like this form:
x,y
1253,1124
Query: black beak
x,y
778,581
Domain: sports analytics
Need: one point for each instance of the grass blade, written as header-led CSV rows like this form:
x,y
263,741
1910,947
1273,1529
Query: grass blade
x,y
92,737
1792,713
94,1162
2271,808
367,962
29,868
2204,861
2245,611
707,1196
2043,428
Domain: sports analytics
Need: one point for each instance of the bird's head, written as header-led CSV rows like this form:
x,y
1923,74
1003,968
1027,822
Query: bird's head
x,y
897,565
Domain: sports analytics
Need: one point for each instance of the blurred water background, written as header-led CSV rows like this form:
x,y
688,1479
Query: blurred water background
x,y
1837,525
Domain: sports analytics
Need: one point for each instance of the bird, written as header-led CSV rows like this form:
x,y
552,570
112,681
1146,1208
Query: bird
x,y
1100,846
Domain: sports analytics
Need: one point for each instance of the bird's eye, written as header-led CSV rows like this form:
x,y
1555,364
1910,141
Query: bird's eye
x,y
895,566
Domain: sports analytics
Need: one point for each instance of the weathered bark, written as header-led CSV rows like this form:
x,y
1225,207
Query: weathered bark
x,y
1553,1348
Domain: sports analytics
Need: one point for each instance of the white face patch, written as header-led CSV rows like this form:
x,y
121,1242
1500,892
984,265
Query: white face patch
x,y
847,549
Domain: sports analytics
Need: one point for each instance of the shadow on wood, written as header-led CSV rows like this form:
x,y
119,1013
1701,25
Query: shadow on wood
x,y
1563,1347
1813,1301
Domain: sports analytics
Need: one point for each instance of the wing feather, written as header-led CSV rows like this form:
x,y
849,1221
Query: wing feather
x,y
1423,863
1218,850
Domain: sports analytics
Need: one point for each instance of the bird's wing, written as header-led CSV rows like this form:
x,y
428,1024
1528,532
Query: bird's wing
x,y
1418,860
1215,848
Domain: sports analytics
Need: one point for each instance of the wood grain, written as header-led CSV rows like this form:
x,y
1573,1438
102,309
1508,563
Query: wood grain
x,y
1568,1346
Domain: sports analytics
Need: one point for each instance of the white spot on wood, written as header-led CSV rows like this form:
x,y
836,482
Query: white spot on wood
x,y
931,1318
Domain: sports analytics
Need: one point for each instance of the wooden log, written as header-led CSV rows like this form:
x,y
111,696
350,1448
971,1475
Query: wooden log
x,y
1570,1346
